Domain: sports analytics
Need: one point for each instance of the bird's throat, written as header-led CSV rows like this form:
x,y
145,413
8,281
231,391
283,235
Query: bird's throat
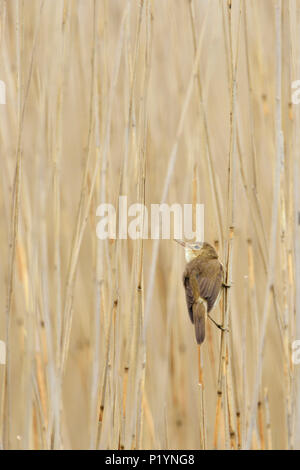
x,y
190,254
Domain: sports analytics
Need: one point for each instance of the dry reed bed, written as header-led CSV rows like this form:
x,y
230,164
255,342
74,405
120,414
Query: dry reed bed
x,y
164,101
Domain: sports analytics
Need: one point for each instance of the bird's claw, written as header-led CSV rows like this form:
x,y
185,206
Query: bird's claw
x,y
221,327
226,286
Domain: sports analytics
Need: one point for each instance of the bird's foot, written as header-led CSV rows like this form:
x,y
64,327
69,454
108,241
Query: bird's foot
x,y
226,286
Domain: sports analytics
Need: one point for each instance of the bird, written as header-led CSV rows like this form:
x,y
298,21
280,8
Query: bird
x,y
203,281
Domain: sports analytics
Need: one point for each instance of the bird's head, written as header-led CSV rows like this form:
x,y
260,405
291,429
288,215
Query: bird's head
x,y
193,250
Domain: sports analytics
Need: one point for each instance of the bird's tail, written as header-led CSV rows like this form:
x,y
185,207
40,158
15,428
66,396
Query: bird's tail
x,y
199,317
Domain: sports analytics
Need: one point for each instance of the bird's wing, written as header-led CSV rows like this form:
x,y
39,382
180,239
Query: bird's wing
x,y
188,294
209,275
202,279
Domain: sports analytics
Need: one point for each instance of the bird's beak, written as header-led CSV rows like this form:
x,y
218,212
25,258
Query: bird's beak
x,y
188,245
181,242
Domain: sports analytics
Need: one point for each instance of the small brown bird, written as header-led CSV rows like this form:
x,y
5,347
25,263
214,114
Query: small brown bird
x,y
203,280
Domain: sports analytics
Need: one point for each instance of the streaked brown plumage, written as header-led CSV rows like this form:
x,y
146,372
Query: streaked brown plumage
x,y
202,279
